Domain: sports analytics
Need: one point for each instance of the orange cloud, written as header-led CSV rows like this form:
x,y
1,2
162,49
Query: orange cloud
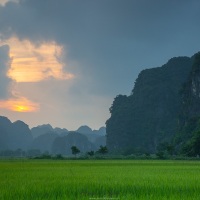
x,y
31,63
19,105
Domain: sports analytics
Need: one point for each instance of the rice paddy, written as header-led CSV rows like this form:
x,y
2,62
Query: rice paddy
x,y
99,179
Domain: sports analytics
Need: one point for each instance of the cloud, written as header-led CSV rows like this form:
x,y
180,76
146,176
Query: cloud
x,y
8,98
34,63
102,35
24,62
5,82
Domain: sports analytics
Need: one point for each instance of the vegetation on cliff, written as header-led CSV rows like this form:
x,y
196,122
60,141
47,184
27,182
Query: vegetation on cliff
x,y
151,116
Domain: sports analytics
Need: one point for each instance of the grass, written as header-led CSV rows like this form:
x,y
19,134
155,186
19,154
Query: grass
x,y
99,179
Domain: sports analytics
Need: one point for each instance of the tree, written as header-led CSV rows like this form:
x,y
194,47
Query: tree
x,y
102,150
75,150
192,147
166,148
90,153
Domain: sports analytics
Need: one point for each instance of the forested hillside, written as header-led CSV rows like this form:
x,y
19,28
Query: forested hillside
x,y
150,116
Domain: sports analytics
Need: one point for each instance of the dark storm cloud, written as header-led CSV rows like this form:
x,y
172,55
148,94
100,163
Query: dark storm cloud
x,y
4,66
111,39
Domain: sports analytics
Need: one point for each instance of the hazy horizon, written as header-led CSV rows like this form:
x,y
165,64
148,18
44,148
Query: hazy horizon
x,y
37,125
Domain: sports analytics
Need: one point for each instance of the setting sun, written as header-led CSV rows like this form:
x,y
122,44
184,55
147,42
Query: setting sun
x,y
19,105
22,108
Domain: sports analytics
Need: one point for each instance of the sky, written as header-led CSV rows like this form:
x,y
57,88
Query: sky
x,y
62,62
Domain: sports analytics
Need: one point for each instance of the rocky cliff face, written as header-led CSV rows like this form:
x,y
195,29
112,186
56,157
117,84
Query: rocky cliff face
x,y
189,118
149,116
191,92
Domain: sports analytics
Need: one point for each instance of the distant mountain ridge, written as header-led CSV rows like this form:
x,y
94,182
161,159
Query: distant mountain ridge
x,y
62,145
92,135
46,128
14,135
17,135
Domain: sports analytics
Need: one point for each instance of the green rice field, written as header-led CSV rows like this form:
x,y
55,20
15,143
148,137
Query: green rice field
x,y
99,179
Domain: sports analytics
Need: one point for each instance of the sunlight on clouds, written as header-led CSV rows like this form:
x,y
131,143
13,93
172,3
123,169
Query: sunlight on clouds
x,y
19,105
31,63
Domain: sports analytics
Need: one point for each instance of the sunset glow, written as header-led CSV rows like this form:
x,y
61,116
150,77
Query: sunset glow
x,y
31,63
19,105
